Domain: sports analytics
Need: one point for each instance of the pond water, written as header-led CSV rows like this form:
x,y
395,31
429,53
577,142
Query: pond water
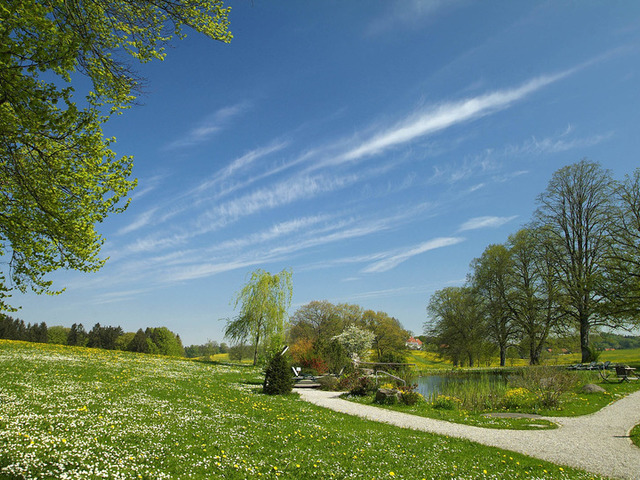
x,y
436,384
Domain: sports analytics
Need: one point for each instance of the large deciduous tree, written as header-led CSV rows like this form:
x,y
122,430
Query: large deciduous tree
x,y
535,300
389,340
457,324
576,212
58,174
491,281
263,301
622,283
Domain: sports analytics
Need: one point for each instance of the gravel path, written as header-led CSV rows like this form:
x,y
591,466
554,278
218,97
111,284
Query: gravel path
x,y
597,443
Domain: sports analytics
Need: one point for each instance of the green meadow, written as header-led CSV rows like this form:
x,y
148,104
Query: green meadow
x,y
69,412
429,361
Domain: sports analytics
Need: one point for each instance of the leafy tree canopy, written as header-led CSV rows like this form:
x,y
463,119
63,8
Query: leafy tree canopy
x,y
58,175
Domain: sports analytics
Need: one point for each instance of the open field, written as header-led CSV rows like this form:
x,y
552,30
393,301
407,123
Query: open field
x,y
82,413
431,361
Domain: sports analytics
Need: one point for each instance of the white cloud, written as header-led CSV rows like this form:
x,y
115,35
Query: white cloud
x,y
283,193
444,116
408,14
398,258
211,125
239,165
141,221
485,222
557,144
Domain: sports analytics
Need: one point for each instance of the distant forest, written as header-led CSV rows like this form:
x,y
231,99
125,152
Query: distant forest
x,y
605,341
154,340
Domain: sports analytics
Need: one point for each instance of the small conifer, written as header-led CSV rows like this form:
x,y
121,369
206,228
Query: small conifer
x,y
278,379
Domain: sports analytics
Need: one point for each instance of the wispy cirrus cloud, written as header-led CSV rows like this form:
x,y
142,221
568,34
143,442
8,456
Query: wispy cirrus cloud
x,y
485,222
444,116
557,144
139,222
239,165
296,188
396,258
211,125
408,14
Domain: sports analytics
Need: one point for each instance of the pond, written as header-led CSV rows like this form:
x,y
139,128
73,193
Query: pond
x,y
444,383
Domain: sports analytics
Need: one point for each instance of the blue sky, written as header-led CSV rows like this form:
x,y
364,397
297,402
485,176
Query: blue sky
x,y
374,148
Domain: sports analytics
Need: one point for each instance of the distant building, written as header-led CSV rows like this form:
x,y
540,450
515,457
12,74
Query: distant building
x,y
413,343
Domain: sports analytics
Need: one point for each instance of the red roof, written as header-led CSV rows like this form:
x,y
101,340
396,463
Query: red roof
x,y
414,340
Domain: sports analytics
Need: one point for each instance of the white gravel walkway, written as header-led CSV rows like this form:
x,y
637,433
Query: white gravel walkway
x,y
597,443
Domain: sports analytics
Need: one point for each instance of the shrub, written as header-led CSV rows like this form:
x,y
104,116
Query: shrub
x,y
410,397
516,398
319,365
357,384
547,383
445,402
278,378
329,384
594,353
364,386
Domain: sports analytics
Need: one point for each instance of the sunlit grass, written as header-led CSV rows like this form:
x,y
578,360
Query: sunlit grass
x,y
68,413
427,360
432,361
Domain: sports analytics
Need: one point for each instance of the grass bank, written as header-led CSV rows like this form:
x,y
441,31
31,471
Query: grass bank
x,y
475,399
83,413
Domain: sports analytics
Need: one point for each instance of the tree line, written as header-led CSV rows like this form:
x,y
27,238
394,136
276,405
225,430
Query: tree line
x,y
327,337
322,336
158,340
574,268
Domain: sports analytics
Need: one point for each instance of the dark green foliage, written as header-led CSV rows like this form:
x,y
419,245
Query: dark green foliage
x,y
605,340
278,378
104,337
159,340
238,352
208,349
139,343
393,357
11,329
77,335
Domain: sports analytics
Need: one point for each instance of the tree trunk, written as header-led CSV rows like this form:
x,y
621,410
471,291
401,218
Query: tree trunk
x,y
584,340
255,350
503,356
534,353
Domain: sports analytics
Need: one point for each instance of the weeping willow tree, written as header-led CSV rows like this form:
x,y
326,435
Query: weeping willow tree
x,y
263,301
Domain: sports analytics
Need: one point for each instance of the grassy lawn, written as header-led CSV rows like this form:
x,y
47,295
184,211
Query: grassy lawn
x,y
82,413
635,435
425,409
429,361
